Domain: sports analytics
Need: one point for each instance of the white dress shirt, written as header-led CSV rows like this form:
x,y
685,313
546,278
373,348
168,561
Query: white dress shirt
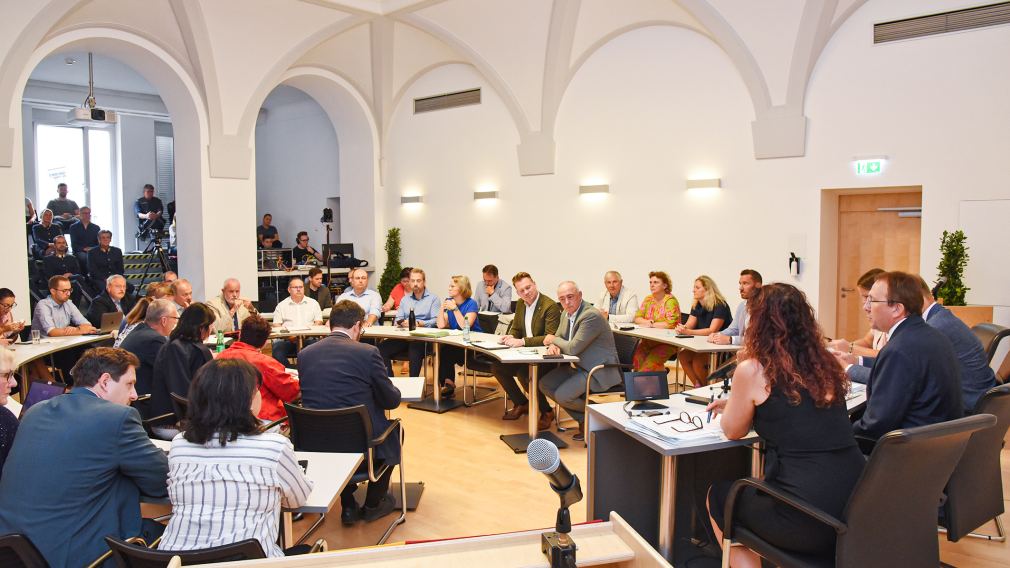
x,y
528,320
302,314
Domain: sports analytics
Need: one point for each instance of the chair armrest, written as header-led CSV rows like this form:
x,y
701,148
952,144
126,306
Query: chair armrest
x,y
101,559
382,437
274,424
143,398
158,418
778,495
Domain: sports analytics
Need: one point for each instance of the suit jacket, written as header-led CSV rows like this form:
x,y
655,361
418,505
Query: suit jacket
x,y
103,264
976,375
176,365
145,343
103,304
592,342
223,321
915,381
338,372
76,473
627,305
546,316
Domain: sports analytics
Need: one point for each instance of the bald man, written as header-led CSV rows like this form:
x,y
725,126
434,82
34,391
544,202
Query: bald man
x,y
230,307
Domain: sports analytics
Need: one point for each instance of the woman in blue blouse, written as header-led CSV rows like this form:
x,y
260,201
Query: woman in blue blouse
x,y
458,308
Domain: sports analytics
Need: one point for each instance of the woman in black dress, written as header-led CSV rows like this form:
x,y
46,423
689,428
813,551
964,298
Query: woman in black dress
x,y
177,364
792,391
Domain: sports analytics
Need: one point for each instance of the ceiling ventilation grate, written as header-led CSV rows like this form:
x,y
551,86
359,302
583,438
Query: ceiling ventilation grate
x,y
448,100
958,20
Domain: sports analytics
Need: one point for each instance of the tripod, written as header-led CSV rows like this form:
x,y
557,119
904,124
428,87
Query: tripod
x,y
153,250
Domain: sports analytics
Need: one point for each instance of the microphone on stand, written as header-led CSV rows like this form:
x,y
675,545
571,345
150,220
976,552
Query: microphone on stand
x,y
543,456
936,289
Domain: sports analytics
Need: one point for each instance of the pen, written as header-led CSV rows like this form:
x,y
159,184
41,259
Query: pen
x,y
711,399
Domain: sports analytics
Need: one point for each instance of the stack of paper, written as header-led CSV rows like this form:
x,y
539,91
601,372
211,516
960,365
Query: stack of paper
x,y
669,429
429,332
490,345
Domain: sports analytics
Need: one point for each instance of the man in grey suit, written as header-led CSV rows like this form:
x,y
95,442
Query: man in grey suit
x,y
80,463
976,375
585,334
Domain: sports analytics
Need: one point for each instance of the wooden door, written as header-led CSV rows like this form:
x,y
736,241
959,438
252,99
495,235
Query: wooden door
x,y
870,238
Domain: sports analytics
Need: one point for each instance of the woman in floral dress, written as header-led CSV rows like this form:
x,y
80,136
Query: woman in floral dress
x,y
659,309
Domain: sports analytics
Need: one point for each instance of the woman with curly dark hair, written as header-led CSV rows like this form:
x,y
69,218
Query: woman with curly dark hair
x,y
227,480
792,391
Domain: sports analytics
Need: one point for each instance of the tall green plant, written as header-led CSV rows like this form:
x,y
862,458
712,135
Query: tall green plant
x,y
952,265
391,274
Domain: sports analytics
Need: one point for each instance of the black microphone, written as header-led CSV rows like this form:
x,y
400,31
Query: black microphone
x,y
936,289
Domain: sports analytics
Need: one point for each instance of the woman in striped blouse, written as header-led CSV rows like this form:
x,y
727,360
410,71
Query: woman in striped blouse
x,y
227,481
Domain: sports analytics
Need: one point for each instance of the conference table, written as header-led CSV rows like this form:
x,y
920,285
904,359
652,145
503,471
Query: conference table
x,y
329,473
25,353
663,470
695,343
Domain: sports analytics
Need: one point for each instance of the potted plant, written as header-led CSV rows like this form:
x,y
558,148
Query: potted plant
x,y
951,290
391,274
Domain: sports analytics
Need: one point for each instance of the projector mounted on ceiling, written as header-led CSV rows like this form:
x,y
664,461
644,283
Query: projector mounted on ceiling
x,y
88,114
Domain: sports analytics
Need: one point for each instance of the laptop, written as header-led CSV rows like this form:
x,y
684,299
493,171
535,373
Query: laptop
x,y
40,391
110,322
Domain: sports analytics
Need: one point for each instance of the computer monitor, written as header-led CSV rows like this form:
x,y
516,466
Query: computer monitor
x,y
275,259
345,250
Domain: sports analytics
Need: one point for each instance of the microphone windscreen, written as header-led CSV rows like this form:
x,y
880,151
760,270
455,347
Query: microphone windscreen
x,y
543,456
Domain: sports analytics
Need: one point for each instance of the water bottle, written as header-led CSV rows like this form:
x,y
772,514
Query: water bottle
x,y
220,341
466,329
411,320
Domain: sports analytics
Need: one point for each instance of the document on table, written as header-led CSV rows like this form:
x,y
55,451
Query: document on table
x,y
855,390
669,428
489,345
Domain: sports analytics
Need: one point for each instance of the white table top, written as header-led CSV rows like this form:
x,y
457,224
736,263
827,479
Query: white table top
x,y
519,355
49,345
411,388
612,415
329,472
697,343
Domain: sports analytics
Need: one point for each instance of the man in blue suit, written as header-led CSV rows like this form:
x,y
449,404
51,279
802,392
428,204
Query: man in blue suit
x,y
80,463
976,375
915,380
338,372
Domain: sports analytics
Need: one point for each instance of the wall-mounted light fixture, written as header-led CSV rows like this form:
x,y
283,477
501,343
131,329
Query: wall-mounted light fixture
x,y
487,194
406,199
594,189
713,183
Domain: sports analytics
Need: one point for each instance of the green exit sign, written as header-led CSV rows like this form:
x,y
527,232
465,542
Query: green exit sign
x,y
869,167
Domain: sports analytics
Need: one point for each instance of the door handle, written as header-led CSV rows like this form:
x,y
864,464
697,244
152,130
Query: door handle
x,y
844,289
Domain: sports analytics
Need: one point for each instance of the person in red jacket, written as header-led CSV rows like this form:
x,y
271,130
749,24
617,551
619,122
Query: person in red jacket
x,y
278,386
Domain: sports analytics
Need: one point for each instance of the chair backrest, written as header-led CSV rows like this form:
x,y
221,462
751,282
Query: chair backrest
x,y
975,489
891,515
133,556
343,430
488,322
17,551
179,406
990,334
626,346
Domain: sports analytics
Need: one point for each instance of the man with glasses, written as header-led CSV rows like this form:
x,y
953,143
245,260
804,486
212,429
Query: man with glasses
x,y
146,340
62,263
303,252
9,329
296,312
915,380
57,316
230,307
114,299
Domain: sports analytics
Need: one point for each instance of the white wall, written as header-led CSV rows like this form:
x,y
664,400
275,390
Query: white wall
x,y
659,105
297,165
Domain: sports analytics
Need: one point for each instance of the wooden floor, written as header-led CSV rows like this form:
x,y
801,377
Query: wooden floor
x,y
475,485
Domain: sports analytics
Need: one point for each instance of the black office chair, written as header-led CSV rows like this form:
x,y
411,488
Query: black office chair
x,y
346,430
129,555
488,322
179,406
975,489
990,334
890,519
17,551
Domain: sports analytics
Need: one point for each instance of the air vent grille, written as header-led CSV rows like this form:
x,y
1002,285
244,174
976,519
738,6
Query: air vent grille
x,y
448,100
959,20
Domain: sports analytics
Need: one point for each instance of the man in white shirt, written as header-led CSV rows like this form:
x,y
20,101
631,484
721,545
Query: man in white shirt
x,y
618,304
294,312
750,282
369,300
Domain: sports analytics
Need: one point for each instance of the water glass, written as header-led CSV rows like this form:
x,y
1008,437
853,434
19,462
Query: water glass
x,y
36,336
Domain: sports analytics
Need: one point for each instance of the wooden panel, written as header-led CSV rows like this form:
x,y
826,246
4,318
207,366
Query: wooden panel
x,y
972,315
868,238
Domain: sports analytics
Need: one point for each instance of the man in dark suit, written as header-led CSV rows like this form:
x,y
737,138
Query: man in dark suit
x,y
113,299
338,372
976,375
915,380
536,317
62,263
584,333
146,340
80,463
